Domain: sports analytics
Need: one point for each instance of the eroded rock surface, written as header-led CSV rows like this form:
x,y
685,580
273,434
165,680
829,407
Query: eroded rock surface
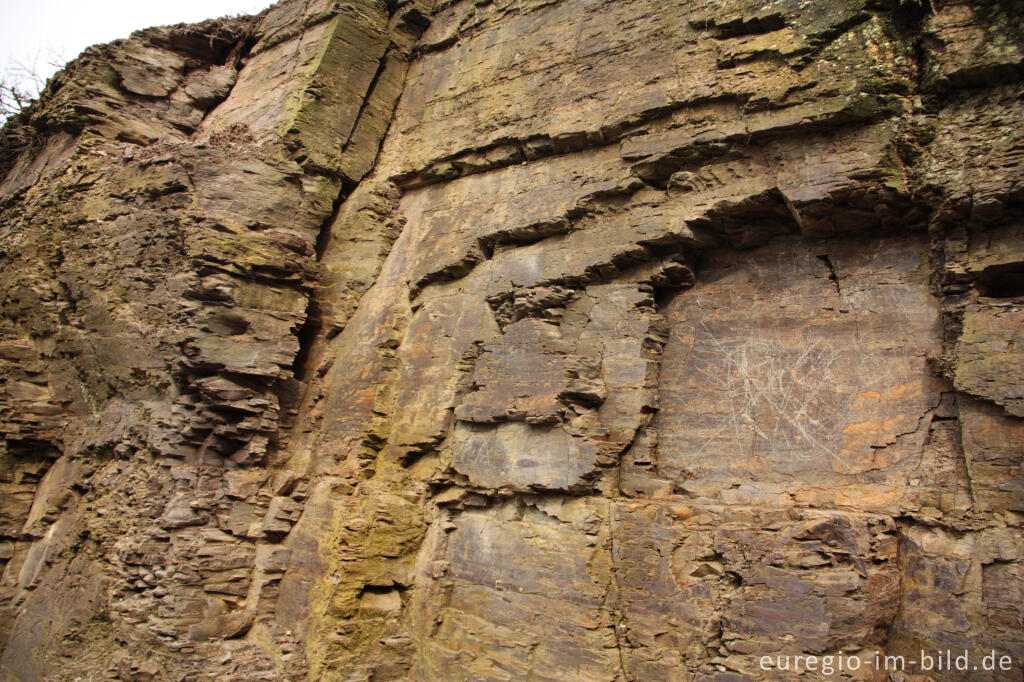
x,y
517,340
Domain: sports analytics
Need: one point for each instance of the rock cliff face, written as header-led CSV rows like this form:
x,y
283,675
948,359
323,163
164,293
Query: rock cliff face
x,y
518,339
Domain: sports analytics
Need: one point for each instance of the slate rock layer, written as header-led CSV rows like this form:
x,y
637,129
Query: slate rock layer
x,y
517,339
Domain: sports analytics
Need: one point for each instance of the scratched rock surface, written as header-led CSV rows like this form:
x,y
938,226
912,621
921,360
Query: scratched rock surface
x,y
518,339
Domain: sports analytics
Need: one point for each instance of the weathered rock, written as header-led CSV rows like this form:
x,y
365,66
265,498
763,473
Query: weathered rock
x,y
518,340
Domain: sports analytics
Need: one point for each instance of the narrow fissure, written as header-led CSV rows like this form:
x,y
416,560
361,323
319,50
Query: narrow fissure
x,y
382,65
313,325
312,329
832,276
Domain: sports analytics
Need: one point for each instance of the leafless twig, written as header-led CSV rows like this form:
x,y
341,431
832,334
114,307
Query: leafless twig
x,y
21,82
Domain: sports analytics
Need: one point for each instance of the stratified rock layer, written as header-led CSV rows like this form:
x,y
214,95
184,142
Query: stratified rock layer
x,y
518,340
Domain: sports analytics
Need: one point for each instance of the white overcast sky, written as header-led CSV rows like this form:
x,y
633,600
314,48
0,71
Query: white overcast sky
x,y
37,28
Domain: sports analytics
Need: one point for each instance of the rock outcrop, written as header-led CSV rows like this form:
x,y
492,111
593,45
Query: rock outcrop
x,y
519,339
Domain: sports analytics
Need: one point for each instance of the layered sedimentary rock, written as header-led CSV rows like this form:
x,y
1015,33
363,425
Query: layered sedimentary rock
x,y
518,340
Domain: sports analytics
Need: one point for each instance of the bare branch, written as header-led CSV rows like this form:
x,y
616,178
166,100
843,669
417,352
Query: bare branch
x,y
21,82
